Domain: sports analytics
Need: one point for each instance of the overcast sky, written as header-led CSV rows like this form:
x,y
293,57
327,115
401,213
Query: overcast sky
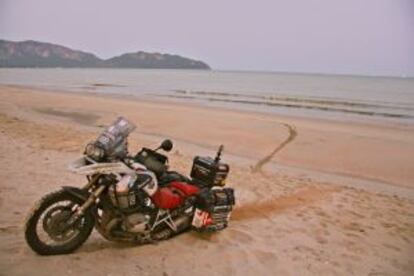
x,y
374,37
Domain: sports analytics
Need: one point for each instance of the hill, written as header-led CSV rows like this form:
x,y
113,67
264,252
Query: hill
x,y
39,54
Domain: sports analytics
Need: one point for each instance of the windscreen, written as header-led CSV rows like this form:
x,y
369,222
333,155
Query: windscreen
x,y
121,128
115,135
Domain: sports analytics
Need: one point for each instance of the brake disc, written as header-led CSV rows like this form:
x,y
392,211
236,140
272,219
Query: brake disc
x,y
55,224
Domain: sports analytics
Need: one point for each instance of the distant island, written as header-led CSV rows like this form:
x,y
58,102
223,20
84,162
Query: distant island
x,y
46,55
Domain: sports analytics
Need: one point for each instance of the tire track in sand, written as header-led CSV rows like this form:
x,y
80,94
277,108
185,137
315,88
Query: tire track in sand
x,y
302,197
292,135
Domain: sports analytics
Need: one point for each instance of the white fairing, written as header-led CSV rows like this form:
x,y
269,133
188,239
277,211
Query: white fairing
x,y
149,187
80,166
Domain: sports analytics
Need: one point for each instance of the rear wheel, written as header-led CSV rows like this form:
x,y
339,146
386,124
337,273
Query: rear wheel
x,y
47,230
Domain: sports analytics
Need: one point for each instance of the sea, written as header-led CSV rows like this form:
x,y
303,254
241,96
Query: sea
x,y
333,97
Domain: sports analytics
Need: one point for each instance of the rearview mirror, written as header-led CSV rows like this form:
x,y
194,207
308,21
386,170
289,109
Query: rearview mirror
x,y
166,145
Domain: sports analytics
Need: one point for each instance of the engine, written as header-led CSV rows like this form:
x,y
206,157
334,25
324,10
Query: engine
x,y
129,195
136,223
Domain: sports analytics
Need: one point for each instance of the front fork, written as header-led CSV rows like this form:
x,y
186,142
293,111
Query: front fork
x,y
93,196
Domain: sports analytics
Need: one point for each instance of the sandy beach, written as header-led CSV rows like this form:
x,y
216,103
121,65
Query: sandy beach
x,y
313,196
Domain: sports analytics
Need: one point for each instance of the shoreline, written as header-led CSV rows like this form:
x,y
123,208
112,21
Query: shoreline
x,y
273,137
393,122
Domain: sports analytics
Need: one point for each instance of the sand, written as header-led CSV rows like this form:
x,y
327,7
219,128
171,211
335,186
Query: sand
x,y
314,196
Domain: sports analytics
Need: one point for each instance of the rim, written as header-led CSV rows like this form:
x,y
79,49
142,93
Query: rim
x,y
51,227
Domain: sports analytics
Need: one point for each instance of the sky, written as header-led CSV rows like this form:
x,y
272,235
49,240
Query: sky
x,y
362,37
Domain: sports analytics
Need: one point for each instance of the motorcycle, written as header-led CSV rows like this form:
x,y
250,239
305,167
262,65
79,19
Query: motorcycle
x,y
130,198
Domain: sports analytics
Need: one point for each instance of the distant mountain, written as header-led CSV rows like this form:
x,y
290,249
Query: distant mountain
x,y
154,60
39,54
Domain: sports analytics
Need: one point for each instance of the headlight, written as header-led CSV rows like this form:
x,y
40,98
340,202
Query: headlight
x,y
94,152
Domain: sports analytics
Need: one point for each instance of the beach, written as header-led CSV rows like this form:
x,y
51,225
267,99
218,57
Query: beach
x,y
314,195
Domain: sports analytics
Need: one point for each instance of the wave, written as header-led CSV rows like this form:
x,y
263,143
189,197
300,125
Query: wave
x,y
302,99
297,103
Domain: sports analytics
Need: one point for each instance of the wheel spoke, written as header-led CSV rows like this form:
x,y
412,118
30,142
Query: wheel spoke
x,y
51,224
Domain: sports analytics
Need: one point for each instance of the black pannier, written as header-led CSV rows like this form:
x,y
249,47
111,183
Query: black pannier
x,y
213,209
208,172
207,200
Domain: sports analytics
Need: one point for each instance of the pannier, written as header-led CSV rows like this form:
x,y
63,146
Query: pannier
x,y
209,172
213,209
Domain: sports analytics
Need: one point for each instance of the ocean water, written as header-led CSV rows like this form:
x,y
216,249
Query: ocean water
x,y
309,95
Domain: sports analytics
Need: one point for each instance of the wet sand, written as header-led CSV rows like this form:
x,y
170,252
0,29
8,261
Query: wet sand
x,y
288,220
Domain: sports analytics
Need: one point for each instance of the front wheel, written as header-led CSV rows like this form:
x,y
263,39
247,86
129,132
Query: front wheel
x,y
47,231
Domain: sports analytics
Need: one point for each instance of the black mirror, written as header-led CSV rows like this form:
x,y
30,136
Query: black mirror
x,y
166,145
